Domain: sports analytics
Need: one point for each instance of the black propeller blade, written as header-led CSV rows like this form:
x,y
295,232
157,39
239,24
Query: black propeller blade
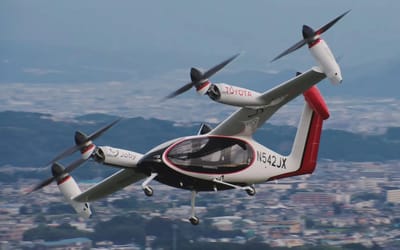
x,y
218,67
298,45
309,35
81,139
197,77
42,184
57,171
331,23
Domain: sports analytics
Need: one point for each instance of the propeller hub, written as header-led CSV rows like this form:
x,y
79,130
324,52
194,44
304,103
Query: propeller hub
x,y
200,80
195,75
57,170
80,138
308,32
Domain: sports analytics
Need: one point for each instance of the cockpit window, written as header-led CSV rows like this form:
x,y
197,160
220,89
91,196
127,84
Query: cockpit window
x,y
211,155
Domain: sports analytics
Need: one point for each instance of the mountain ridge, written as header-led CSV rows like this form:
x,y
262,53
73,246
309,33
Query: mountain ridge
x,y
31,139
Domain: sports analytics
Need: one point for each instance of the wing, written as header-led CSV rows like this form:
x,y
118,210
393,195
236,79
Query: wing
x,y
246,121
113,183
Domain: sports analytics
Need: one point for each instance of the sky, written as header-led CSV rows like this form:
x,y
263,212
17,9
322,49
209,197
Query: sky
x,y
260,29
202,33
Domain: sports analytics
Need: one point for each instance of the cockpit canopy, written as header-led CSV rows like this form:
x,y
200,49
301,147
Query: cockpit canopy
x,y
216,155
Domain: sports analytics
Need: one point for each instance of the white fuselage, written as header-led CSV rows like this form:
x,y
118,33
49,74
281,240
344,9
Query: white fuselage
x,y
327,62
237,159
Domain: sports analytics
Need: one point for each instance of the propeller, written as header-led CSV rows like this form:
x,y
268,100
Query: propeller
x,y
198,78
81,141
310,36
58,172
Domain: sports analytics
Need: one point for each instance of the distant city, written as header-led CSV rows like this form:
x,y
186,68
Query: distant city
x,y
360,114
341,204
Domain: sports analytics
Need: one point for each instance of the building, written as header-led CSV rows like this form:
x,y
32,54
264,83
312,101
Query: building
x,y
313,198
393,196
70,244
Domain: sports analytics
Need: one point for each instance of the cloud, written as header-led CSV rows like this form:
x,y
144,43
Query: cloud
x,y
40,72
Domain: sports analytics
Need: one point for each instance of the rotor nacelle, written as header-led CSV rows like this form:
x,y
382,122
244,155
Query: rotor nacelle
x,y
69,188
116,157
233,95
326,61
319,50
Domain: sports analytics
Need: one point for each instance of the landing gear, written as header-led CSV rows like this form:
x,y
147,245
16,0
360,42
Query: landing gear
x,y
148,191
193,218
145,185
250,190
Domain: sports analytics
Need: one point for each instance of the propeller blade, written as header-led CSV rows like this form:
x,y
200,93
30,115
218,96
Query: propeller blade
x,y
180,91
57,171
99,132
218,67
291,49
41,185
78,147
196,77
330,24
66,153
74,165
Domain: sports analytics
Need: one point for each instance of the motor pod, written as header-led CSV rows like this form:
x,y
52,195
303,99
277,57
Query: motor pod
x,y
235,96
319,50
327,62
116,157
69,188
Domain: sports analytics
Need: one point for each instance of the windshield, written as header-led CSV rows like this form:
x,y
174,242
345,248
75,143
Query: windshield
x,y
211,155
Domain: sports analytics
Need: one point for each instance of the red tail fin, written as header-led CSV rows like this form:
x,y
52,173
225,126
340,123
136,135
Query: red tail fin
x,y
310,155
316,101
321,112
